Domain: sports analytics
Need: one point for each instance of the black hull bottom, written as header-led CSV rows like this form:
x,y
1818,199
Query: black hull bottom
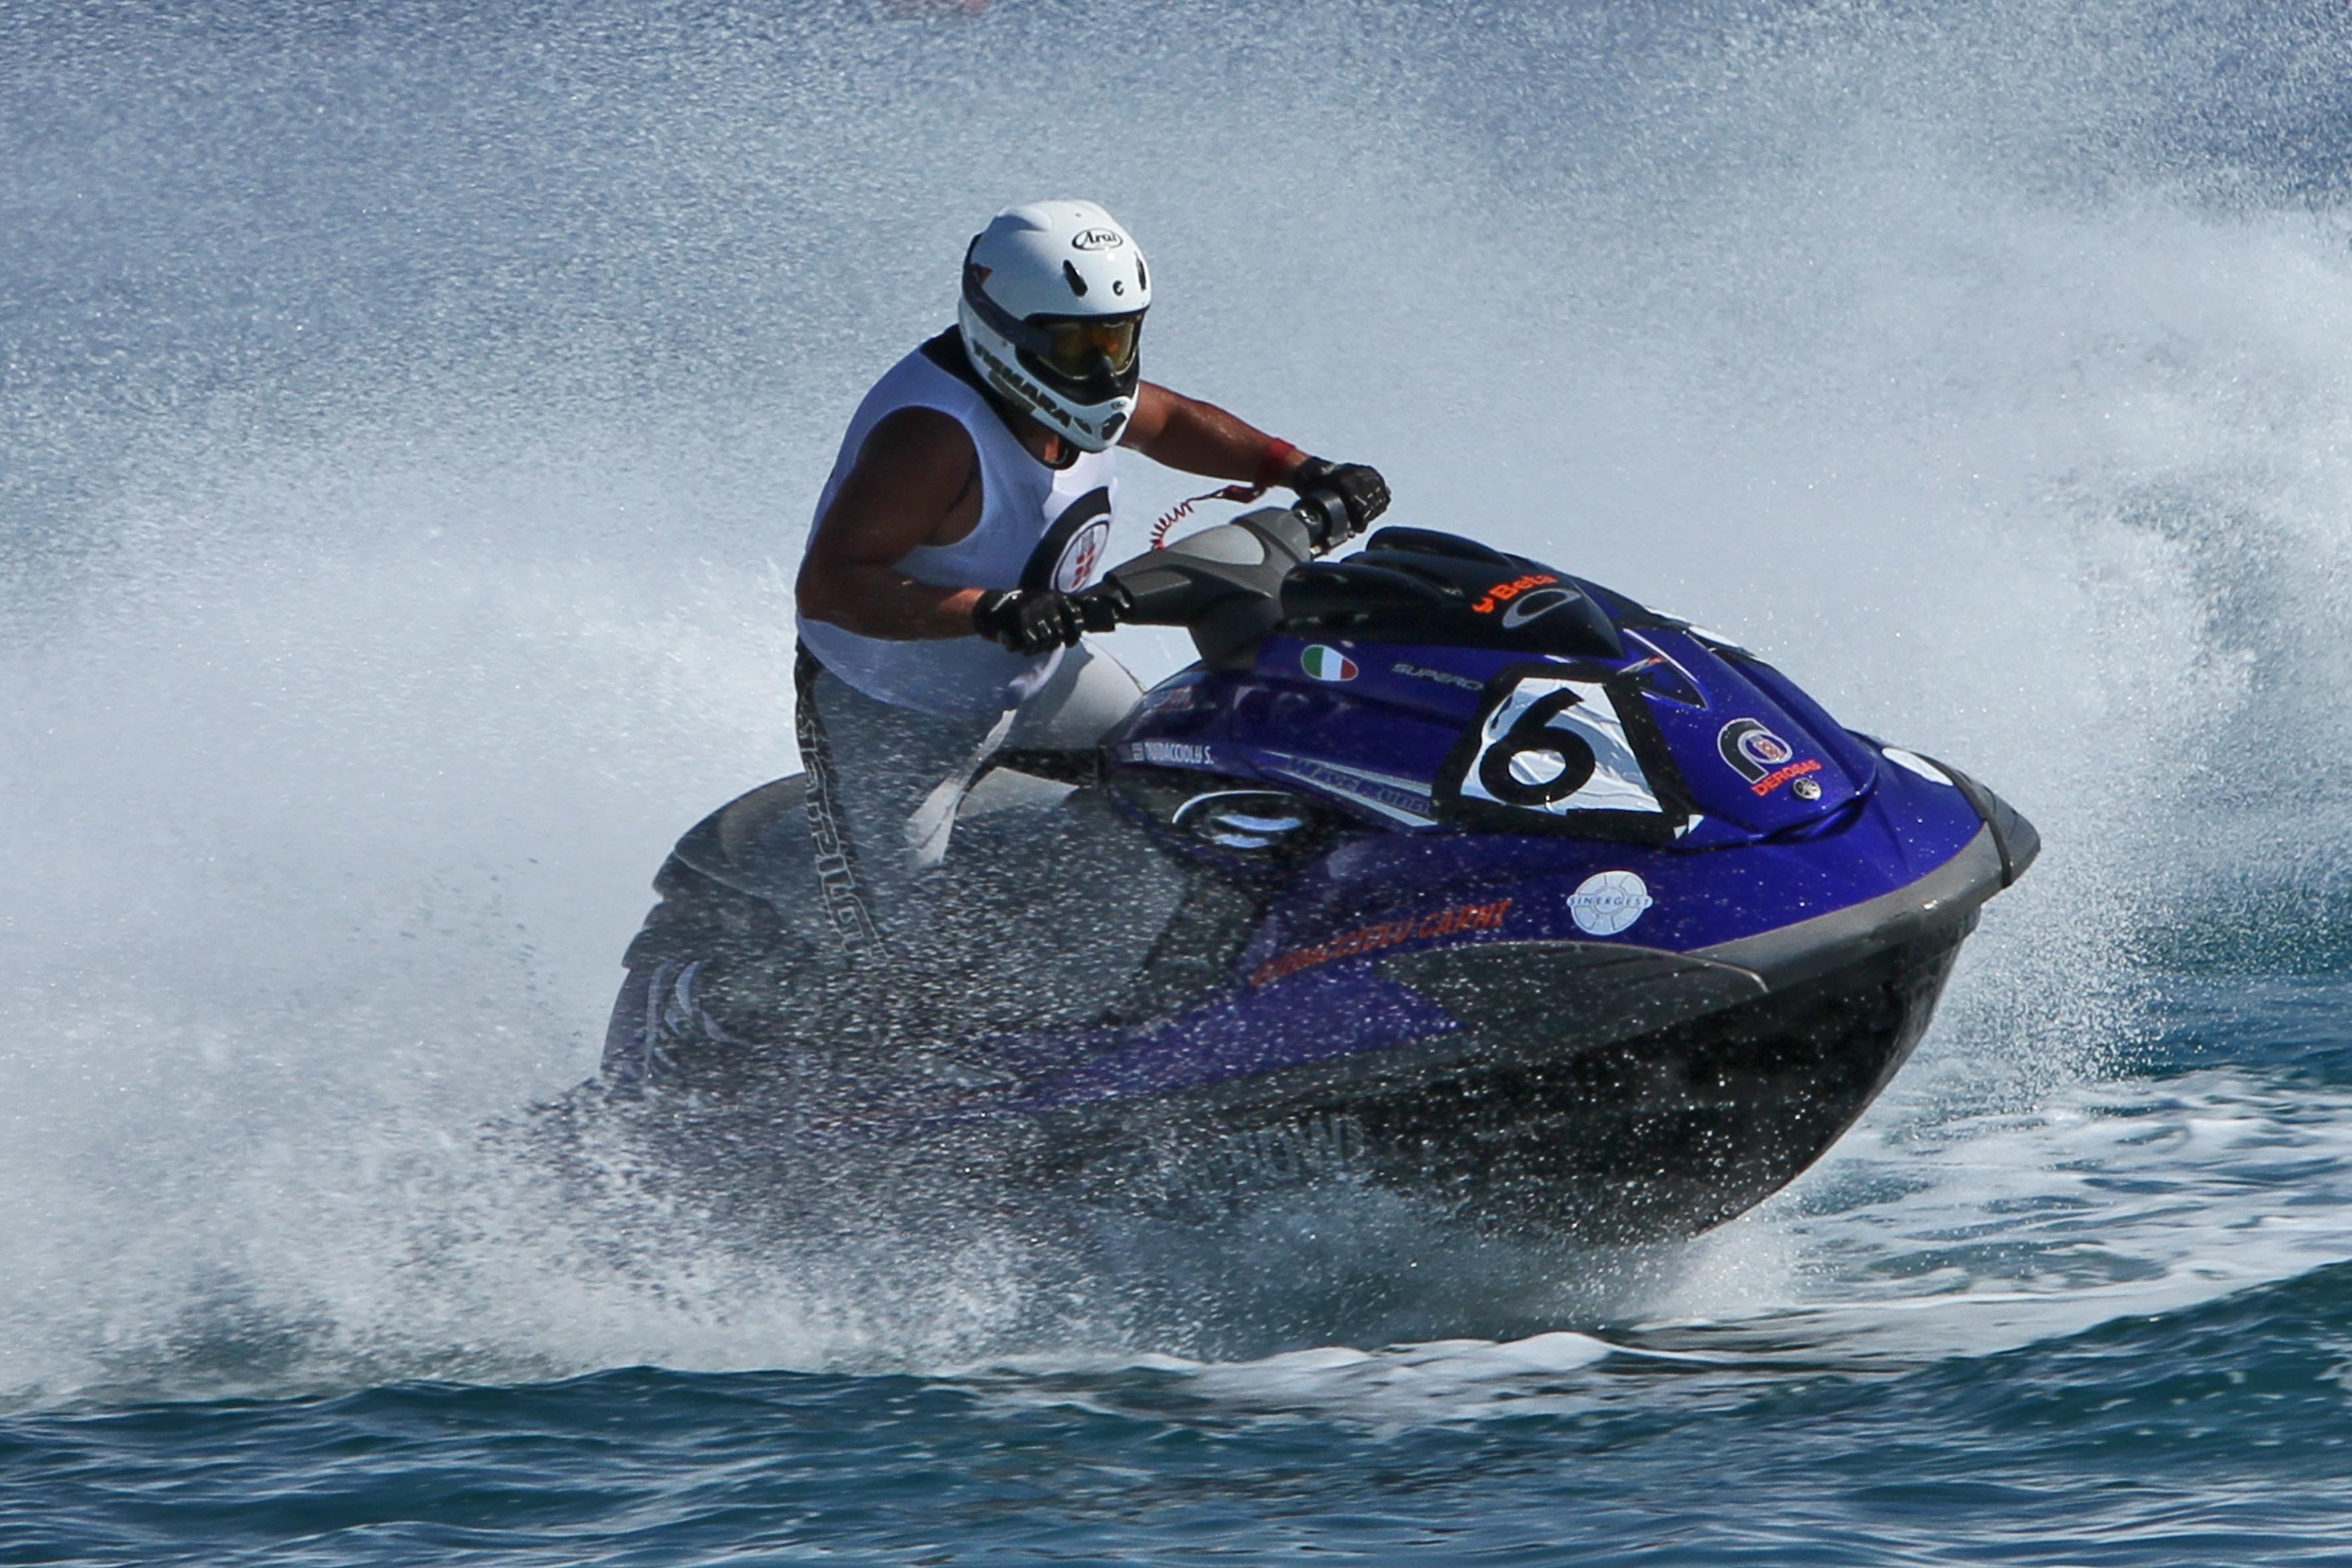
x,y
1657,1137
1635,1135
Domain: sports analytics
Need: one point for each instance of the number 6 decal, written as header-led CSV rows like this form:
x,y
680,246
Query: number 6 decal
x,y
1536,761
1556,749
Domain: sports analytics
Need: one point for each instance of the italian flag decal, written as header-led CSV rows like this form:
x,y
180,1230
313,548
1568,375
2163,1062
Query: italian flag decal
x,y
1327,664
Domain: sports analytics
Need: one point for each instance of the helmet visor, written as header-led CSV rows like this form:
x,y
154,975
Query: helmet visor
x,y
1078,347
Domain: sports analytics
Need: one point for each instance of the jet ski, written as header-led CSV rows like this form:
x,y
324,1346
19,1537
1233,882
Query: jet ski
x,y
1443,871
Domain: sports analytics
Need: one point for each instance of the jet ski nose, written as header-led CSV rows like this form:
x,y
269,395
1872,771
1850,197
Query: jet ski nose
x,y
2016,839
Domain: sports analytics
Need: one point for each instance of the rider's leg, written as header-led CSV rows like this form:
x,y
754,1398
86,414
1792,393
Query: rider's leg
x,y
883,781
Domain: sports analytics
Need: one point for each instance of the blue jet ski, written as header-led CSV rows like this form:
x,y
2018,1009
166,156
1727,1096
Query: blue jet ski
x,y
1442,870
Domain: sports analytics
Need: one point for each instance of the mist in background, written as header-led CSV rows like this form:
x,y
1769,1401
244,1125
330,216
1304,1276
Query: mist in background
x,y
409,422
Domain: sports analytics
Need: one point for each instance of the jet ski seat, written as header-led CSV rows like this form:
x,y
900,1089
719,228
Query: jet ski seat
x,y
1023,846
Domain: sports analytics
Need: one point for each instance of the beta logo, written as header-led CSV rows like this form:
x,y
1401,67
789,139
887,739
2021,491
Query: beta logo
x,y
1326,664
1501,593
1096,240
1609,902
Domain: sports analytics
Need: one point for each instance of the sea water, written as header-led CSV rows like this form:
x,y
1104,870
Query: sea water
x,y
409,418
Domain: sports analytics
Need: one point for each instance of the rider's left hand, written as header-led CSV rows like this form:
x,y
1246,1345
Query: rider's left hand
x,y
1358,486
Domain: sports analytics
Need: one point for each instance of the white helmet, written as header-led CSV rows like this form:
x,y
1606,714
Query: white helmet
x,y
1053,296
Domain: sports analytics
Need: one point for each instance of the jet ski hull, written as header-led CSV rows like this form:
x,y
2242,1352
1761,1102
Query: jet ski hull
x,y
1654,1136
1596,1093
1508,895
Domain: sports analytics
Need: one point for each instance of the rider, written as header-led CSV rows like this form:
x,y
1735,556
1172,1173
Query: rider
x,y
970,499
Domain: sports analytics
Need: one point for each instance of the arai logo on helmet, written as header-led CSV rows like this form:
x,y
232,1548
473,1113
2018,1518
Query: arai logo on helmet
x,y
1326,664
1098,239
1608,902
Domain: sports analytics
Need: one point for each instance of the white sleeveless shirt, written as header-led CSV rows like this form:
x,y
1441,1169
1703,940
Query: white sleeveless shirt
x,y
1039,528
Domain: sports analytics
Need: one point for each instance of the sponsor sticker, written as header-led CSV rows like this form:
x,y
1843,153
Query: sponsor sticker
x,y
1326,664
1315,1146
1096,240
1764,748
1295,1150
1372,938
1037,402
1441,677
1609,901
1400,799
1763,758
1076,569
1536,602
1501,593
1779,776
1171,753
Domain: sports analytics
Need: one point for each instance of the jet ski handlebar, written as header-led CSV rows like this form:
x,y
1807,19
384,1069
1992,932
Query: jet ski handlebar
x,y
1329,522
1222,583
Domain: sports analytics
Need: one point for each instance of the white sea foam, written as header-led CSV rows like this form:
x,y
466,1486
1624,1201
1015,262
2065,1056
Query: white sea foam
x,y
1926,1235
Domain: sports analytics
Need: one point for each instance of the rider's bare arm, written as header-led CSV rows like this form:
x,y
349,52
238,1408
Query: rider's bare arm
x,y
916,482
1202,438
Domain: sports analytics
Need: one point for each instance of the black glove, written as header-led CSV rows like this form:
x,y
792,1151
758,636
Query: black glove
x,y
1358,486
1028,620
1101,607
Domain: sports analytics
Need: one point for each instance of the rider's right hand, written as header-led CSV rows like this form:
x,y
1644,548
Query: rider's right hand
x,y
1028,620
